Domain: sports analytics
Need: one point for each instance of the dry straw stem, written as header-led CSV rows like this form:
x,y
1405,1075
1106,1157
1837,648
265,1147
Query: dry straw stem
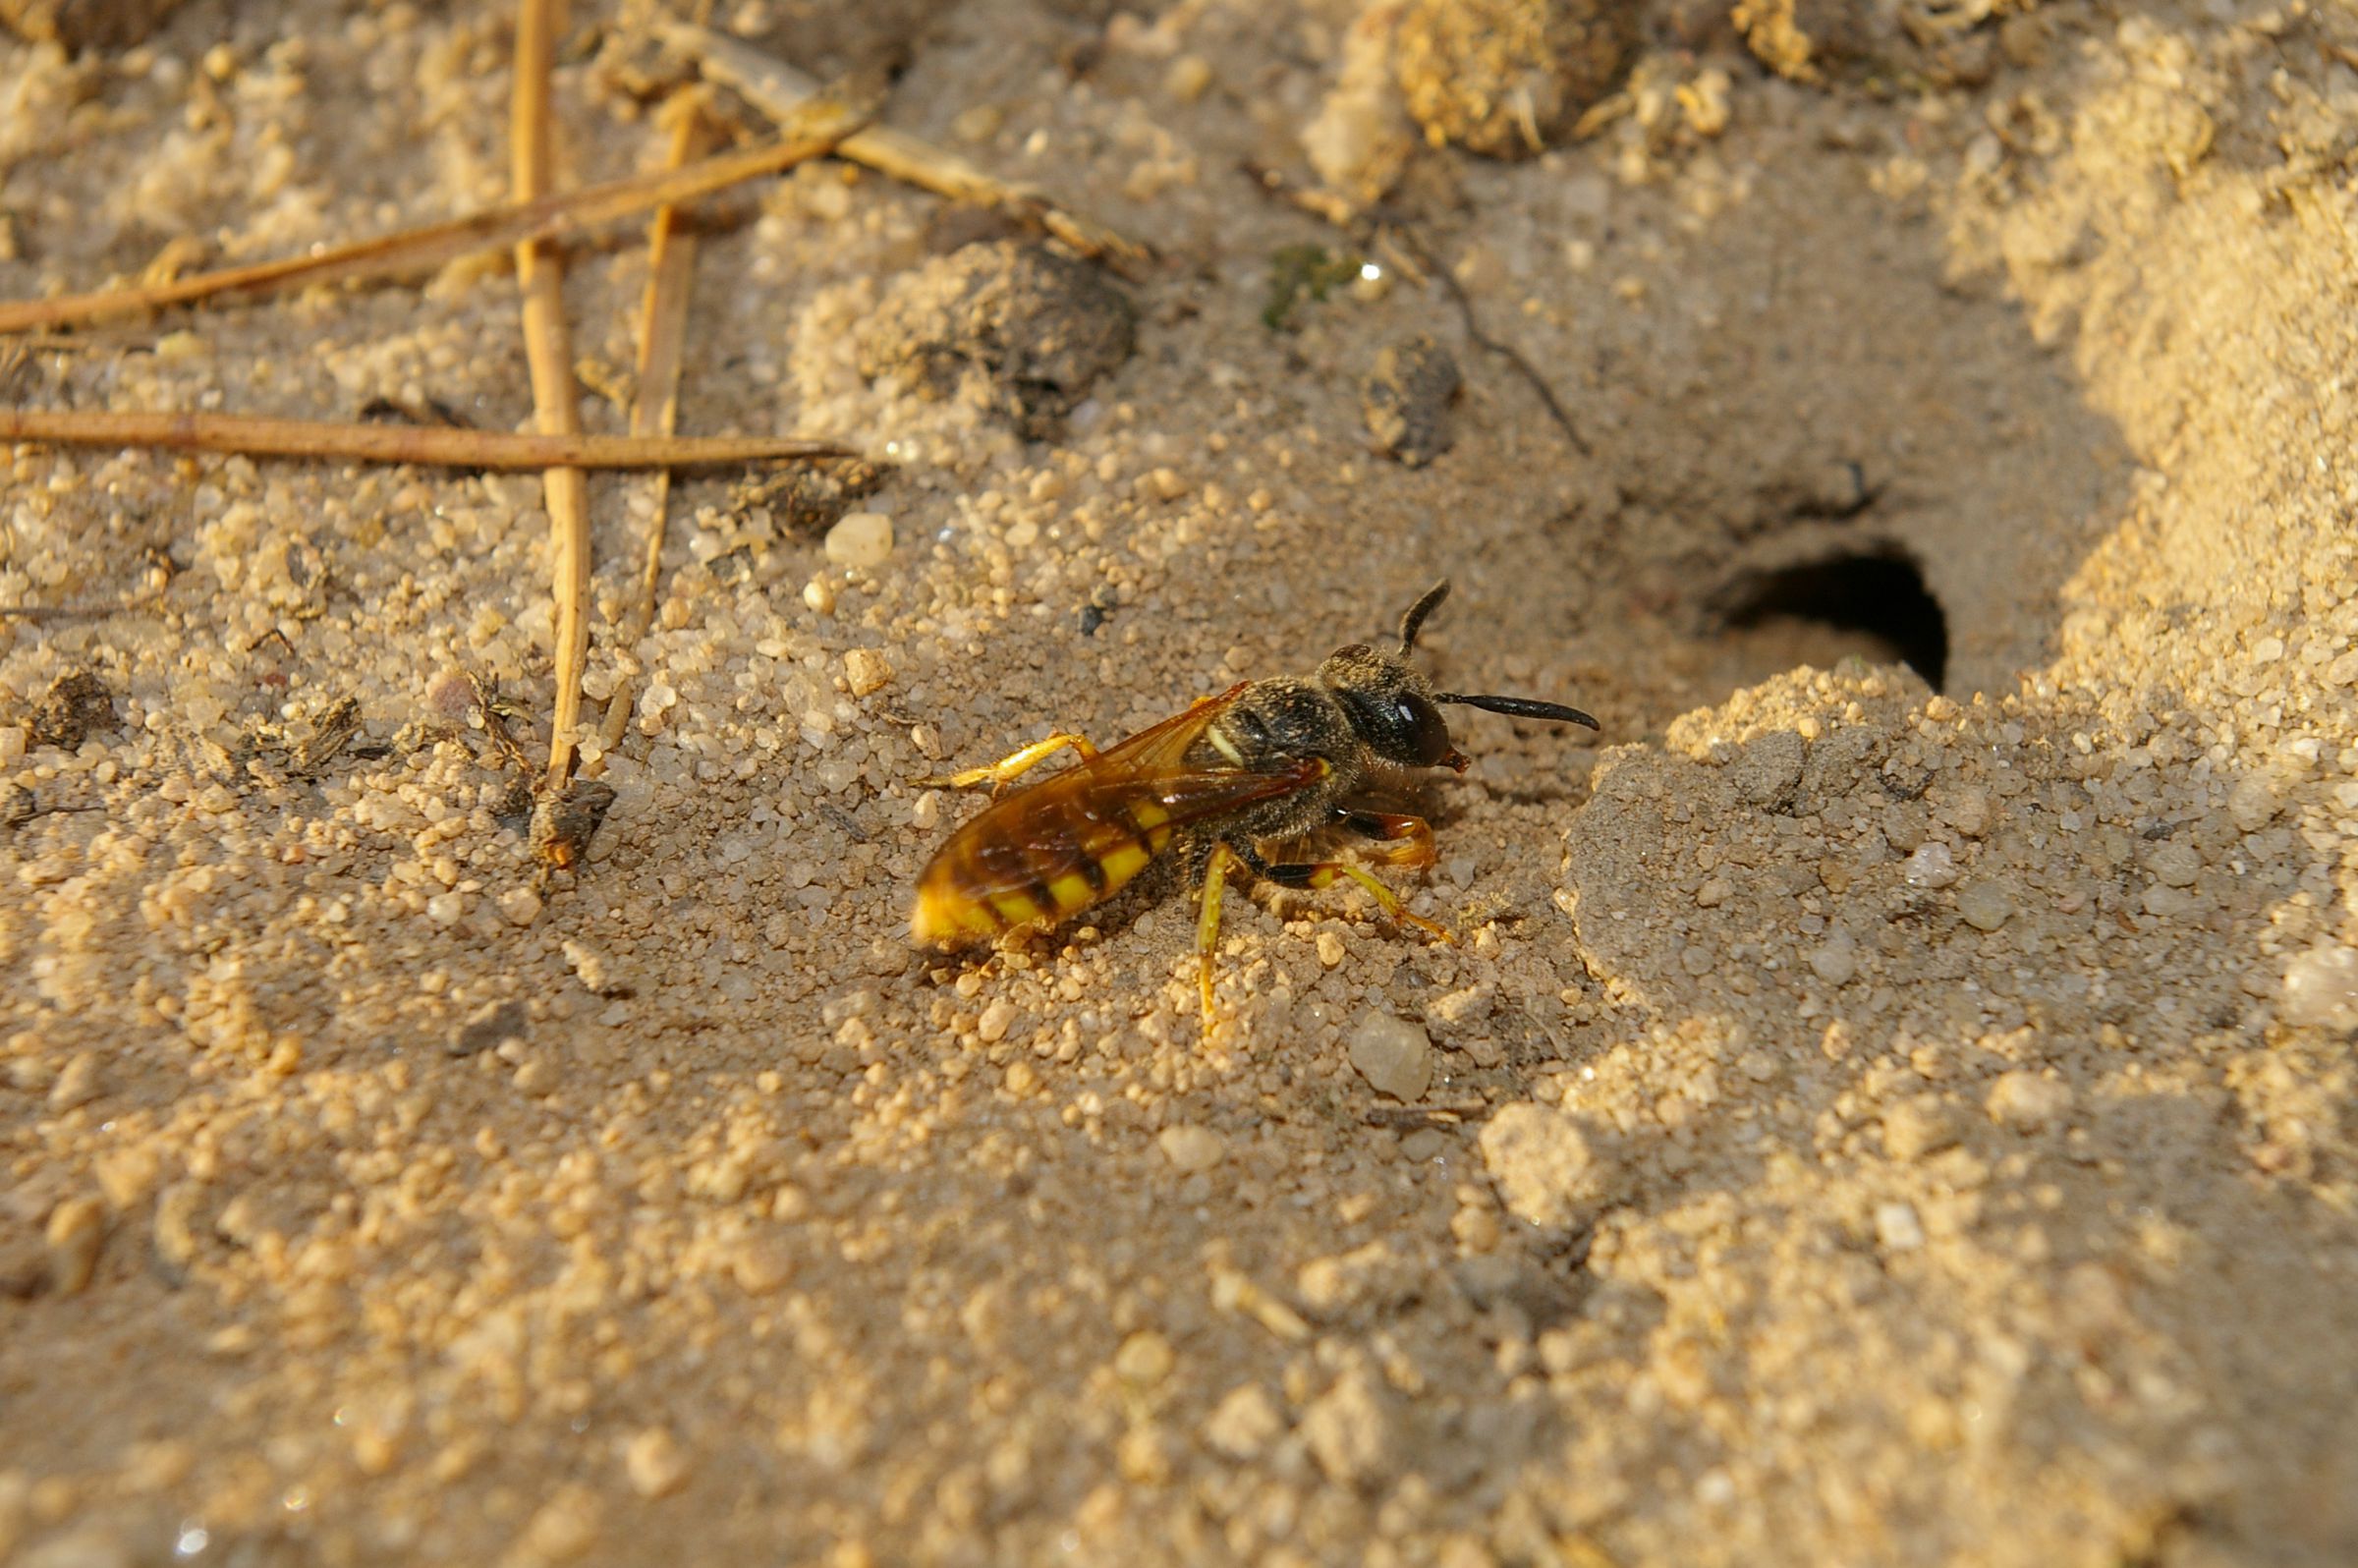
x,y
556,396
781,91
662,348
432,446
813,135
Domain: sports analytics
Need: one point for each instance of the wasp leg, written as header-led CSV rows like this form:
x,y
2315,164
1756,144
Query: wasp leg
x,y
999,775
1315,874
1207,923
1407,840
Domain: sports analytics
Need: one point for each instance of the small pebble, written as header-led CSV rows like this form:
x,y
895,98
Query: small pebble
x,y
1932,866
520,905
1968,812
2176,864
1331,949
1192,1149
865,670
996,1019
2027,1101
76,1229
1145,1359
2321,989
1423,1144
564,1528
2253,805
1769,770
1835,960
761,1264
1897,1227
76,1083
1244,1423
1917,1126
1476,1228
1350,1430
655,1463
861,541
1984,905
1189,78
1144,1455
1541,1163
1392,1054
446,909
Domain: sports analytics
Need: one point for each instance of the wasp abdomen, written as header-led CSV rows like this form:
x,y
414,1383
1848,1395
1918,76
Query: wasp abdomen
x,y
1035,859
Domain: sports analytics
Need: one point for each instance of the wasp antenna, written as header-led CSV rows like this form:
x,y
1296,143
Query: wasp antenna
x,y
1417,612
1522,707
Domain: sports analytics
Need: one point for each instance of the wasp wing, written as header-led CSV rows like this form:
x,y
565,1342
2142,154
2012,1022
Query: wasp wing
x,y
1076,837
1139,786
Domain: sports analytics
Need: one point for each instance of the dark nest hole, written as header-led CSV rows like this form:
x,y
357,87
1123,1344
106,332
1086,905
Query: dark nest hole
x,y
1877,598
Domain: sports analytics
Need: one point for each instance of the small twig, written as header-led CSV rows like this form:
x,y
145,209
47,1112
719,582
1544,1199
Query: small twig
x,y
256,436
39,614
556,396
663,342
1412,1118
812,133
780,91
663,347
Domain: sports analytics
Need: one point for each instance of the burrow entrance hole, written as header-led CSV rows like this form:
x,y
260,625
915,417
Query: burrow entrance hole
x,y
1872,603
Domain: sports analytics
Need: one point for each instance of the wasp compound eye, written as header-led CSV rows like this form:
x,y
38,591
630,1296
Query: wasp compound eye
x,y
1422,727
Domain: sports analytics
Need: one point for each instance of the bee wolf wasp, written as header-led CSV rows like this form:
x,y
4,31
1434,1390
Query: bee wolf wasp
x,y
1233,784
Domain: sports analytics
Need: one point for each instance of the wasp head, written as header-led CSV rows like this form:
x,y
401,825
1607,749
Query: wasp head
x,y
1391,706
1396,711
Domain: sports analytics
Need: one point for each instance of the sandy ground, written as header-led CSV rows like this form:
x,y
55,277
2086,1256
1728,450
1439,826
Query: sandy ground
x,y
1858,1125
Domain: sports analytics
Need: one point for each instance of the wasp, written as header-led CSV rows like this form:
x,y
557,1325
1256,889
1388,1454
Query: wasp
x,y
1241,784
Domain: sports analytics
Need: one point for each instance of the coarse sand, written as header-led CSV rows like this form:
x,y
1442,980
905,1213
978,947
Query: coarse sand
x,y
1876,1112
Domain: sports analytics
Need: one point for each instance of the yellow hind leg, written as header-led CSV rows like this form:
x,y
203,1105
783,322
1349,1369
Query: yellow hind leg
x,y
1316,874
1207,923
999,775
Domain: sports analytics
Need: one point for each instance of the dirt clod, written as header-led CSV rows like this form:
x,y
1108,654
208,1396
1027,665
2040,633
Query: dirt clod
x,y
77,705
1028,330
1508,77
1406,398
564,822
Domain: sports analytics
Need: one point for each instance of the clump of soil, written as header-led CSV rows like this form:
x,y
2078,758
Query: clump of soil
x,y
1508,77
1406,398
810,497
1028,330
76,705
